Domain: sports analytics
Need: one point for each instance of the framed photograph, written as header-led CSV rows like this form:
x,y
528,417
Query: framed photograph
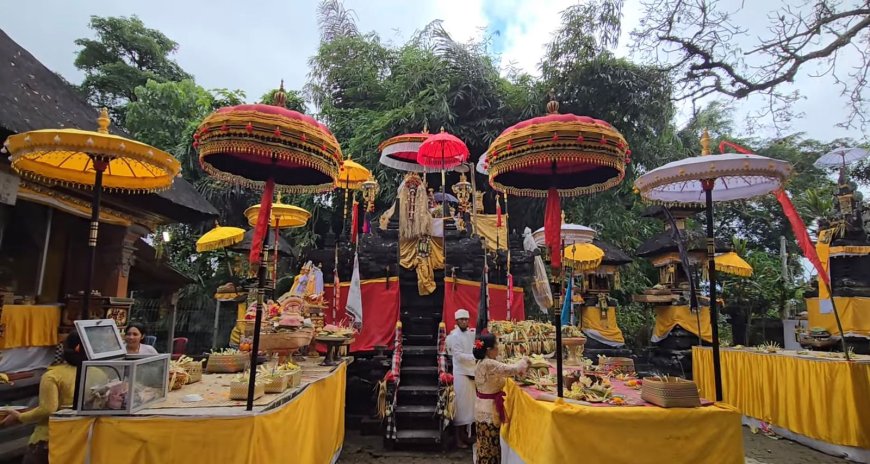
x,y
101,338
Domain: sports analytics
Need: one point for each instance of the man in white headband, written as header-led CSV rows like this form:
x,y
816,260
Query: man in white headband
x,y
460,344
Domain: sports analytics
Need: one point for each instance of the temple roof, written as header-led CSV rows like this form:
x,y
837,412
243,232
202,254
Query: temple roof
x,y
612,254
663,242
33,97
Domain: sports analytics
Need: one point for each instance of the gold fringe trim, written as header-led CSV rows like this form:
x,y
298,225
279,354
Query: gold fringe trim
x,y
850,250
259,185
402,139
218,244
596,159
738,271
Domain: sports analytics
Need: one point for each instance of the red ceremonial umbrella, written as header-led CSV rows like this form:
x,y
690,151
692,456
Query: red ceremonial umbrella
x,y
557,155
269,148
442,151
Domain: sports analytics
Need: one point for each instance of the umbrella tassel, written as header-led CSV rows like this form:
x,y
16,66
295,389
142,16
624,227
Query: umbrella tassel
x,y
553,227
262,223
354,223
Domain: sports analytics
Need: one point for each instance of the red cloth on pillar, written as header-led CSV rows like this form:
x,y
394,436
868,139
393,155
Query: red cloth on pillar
x,y
466,295
380,313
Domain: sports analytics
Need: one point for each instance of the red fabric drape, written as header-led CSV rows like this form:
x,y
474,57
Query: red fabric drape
x,y
354,223
466,295
498,219
800,233
380,313
553,228
262,223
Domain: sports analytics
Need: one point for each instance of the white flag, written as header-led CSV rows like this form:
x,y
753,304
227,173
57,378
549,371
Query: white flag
x,y
354,309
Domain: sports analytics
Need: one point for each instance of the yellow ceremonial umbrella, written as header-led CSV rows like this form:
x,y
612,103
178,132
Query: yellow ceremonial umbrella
x,y
732,263
283,216
583,256
352,175
87,159
219,237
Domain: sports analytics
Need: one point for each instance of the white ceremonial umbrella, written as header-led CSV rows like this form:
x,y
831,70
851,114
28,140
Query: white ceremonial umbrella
x,y
703,180
841,157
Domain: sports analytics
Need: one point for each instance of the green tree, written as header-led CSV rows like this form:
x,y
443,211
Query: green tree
x,y
124,55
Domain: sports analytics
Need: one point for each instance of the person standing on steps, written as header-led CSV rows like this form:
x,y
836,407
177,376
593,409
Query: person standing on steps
x,y
460,344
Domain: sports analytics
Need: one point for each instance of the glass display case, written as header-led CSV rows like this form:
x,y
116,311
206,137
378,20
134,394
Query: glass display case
x,y
122,385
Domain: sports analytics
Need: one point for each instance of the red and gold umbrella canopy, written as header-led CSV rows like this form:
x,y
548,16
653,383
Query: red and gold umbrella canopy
x,y
248,145
400,152
557,155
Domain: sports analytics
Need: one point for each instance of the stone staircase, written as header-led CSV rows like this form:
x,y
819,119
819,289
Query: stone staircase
x,y
415,414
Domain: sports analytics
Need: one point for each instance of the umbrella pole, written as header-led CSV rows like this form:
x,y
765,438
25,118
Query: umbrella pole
x,y
445,210
714,311
255,346
99,167
557,321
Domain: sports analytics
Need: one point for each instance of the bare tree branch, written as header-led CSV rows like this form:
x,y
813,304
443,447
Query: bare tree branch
x,y
699,43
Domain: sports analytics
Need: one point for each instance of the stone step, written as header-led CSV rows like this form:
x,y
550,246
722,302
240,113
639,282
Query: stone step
x,y
417,394
419,375
418,340
418,437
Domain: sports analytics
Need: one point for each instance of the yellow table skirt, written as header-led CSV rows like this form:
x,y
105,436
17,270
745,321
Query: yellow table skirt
x,y
545,433
308,429
854,315
29,325
821,399
667,317
606,327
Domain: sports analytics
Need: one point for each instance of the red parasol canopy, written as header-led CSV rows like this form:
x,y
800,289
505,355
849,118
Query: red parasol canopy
x,y
442,151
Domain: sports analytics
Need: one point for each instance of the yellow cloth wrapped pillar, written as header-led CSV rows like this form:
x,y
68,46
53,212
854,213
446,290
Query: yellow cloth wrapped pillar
x,y
854,315
605,326
309,428
823,399
410,258
541,432
29,326
667,317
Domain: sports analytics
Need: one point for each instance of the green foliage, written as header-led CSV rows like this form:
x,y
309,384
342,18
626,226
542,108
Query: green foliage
x,y
293,100
124,55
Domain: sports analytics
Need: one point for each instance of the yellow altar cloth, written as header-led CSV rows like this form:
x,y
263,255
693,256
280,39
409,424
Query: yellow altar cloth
x,y
828,400
854,315
590,319
667,317
309,428
541,432
29,325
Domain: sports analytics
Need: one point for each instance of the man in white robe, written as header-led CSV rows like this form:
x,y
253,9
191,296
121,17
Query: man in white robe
x,y
460,344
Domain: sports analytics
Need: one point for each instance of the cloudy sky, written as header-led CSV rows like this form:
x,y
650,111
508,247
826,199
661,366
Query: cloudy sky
x,y
252,45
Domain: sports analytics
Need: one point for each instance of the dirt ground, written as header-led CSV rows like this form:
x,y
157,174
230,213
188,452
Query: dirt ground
x,y
758,448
